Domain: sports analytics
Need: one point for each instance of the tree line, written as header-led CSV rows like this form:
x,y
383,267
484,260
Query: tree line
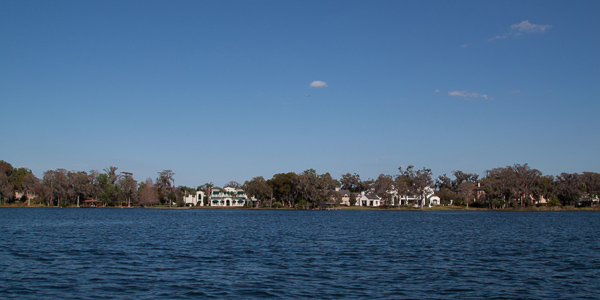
x,y
65,188
511,186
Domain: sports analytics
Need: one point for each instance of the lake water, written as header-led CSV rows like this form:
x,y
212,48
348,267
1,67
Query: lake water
x,y
201,253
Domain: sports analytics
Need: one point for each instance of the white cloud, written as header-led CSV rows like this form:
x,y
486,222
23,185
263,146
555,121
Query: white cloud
x,y
499,37
523,27
437,90
467,94
464,46
318,84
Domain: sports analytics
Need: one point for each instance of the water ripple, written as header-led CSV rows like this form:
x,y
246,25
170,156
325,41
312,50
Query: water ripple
x,y
190,254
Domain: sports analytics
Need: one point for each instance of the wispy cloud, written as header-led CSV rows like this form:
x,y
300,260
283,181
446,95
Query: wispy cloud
x,y
523,27
499,37
467,94
318,84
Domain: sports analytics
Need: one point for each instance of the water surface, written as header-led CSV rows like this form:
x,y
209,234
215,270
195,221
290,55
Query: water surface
x,y
196,253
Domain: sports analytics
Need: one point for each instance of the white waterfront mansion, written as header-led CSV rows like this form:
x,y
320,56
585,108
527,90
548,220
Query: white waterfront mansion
x,y
226,196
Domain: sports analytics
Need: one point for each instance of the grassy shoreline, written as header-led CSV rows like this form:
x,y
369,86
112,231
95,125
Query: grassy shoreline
x,y
403,208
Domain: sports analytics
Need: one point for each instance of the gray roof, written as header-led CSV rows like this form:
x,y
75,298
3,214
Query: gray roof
x,y
344,192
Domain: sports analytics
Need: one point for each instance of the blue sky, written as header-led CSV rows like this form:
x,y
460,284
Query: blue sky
x,y
221,90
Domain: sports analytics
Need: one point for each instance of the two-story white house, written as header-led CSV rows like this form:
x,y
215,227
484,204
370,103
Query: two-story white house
x,y
227,196
370,199
417,200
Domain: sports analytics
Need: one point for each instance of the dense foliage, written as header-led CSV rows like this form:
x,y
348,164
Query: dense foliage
x,y
511,186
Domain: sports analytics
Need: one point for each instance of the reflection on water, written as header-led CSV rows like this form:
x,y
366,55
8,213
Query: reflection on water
x,y
189,254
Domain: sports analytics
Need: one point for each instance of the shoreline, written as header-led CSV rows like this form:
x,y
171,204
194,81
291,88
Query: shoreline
x,y
342,208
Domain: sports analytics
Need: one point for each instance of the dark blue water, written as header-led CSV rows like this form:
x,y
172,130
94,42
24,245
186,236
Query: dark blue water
x,y
191,254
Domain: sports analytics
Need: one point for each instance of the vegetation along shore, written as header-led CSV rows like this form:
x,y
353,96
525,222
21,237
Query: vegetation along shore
x,y
517,187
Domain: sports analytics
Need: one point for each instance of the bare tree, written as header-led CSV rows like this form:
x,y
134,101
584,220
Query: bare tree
x,y
525,179
466,191
148,193
78,184
128,186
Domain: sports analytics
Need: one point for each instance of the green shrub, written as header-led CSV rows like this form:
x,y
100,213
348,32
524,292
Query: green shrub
x,y
554,201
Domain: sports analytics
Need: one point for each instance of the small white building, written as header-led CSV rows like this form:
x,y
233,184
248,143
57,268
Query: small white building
x,y
194,199
368,199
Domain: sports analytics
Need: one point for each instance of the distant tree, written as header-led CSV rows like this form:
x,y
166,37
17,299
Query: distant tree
x,y
417,181
233,184
367,184
352,199
165,184
352,182
283,186
445,189
258,188
30,184
78,185
569,188
497,184
111,193
444,182
591,183
128,187
446,195
335,196
466,191
544,188
57,183
6,189
524,180
148,194
307,187
93,189
460,177
327,182
383,187
112,175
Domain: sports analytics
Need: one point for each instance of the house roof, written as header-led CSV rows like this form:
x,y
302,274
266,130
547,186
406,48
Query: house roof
x,y
372,196
344,192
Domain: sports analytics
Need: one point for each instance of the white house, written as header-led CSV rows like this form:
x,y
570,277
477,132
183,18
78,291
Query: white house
x,y
416,200
368,199
194,199
227,196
